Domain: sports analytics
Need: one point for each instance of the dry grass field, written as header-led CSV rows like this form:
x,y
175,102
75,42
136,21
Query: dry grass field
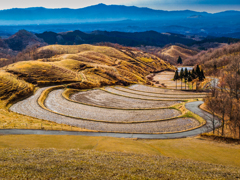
x,y
176,51
75,157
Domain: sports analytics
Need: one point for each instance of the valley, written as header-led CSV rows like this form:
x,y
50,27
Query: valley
x,y
111,101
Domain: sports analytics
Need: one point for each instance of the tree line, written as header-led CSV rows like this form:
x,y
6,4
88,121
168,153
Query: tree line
x,y
190,75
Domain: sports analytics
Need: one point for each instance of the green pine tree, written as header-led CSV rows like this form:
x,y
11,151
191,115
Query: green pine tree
x,y
179,61
186,73
176,76
181,74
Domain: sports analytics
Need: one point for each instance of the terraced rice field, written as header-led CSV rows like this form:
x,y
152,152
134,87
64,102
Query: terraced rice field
x,y
149,89
133,95
57,103
120,111
102,98
166,79
170,96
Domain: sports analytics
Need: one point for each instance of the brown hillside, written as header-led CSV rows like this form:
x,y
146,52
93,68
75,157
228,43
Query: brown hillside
x,y
86,66
176,51
218,58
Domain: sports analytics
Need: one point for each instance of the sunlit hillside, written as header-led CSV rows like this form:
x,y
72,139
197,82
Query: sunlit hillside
x,y
176,51
85,66
215,59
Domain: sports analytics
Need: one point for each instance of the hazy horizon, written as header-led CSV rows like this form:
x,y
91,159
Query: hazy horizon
x,y
195,5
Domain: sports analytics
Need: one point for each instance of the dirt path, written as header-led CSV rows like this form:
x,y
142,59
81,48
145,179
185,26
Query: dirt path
x,y
31,108
191,106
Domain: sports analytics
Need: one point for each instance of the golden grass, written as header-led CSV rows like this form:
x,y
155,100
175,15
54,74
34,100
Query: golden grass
x,y
176,51
35,71
146,59
196,149
78,164
12,88
96,65
74,49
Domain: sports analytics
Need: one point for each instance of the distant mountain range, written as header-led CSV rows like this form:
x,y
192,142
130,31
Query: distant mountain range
x,y
24,39
96,13
119,18
150,38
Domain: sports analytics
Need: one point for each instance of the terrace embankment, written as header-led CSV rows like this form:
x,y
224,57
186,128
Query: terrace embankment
x,y
102,98
30,107
57,103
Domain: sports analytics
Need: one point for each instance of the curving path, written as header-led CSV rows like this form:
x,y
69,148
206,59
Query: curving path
x,y
55,102
30,107
193,106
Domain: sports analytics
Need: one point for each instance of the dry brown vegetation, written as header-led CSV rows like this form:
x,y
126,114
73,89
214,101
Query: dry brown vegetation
x,y
78,164
12,88
225,98
217,58
170,53
87,65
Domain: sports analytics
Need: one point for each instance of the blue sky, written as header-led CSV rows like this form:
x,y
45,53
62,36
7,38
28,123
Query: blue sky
x,y
197,5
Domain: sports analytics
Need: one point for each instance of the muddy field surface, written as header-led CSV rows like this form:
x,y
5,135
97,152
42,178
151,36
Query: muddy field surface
x,y
150,89
166,78
173,96
30,107
105,99
134,95
57,103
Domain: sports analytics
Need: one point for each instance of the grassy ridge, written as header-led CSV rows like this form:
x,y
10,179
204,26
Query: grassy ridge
x,y
11,88
94,65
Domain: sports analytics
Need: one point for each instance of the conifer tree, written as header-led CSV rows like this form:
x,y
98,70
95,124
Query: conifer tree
x,y
193,71
179,61
193,74
176,76
201,77
198,72
186,73
181,74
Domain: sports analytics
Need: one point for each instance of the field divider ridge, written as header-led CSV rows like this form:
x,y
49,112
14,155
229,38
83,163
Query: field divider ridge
x,y
176,90
183,100
67,97
45,93
153,96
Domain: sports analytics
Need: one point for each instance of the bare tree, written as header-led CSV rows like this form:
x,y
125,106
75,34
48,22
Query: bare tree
x,y
212,105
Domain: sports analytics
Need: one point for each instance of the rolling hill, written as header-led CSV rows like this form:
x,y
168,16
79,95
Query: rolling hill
x,y
84,66
175,51
215,59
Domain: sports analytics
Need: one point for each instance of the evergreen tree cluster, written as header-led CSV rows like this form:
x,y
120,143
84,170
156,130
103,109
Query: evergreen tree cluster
x,y
190,75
